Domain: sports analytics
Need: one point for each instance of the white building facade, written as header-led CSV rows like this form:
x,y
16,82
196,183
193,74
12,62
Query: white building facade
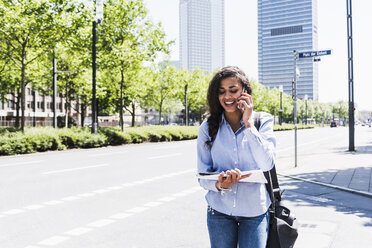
x,y
202,34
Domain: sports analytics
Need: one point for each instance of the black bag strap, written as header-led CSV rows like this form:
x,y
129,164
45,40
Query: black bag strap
x,y
272,185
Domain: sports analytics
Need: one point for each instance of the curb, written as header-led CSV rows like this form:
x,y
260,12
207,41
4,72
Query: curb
x,y
353,191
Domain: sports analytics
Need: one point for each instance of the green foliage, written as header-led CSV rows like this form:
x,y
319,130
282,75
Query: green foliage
x,y
291,127
45,139
80,138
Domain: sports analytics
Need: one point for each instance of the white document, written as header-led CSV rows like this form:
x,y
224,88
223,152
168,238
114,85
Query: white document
x,y
256,176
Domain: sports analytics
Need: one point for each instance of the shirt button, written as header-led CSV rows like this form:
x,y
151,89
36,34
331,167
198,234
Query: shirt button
x,y
236,162
233,137
234,149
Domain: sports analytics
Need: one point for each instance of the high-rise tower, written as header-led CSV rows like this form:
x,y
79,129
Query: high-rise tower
x,y
285,26
202,34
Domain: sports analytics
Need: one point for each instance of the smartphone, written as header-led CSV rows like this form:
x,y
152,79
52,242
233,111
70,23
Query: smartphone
x,y
240,104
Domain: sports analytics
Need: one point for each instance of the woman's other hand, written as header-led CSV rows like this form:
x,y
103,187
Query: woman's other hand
x,y
228,179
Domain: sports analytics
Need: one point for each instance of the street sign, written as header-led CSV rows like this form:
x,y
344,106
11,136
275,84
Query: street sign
x,y
314,53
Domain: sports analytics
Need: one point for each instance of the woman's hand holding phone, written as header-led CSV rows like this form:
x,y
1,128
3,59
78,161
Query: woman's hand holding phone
x,y
245,105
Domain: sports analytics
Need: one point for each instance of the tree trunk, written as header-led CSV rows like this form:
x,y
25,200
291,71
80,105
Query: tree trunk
x,y
17,99
133,113
121,101
23,87
83,108
66,114
78,117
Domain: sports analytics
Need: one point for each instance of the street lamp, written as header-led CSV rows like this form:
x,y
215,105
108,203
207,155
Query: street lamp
x,y
186,108
98,9
281,105
294,96
350,74
306,97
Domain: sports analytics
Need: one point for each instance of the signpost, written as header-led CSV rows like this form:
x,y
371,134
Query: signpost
x,y
302,55
314,53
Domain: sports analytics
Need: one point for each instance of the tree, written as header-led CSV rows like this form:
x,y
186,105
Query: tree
x,y
128,38
164,85
31,29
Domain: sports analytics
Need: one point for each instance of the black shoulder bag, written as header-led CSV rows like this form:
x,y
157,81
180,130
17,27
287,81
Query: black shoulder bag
x,y
283,229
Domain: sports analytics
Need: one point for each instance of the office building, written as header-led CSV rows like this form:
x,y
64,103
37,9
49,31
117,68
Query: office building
x,y
285,26
202,34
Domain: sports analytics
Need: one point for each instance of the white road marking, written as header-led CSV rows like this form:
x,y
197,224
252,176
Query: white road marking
x,y
21,163
305,144
78,231
33,207
107,154
166,156
120,216
167,199
86,194
101,191
128,184
13,211
53,240
101,223
137,210
70,198
53,202
153,204
180,194
115,188
113,218
74,169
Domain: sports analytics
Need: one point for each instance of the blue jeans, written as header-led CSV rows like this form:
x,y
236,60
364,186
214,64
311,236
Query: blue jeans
x,y
227,231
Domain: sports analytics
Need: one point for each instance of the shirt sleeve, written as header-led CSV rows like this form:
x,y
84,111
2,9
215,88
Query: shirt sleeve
x,y
204,157
262,142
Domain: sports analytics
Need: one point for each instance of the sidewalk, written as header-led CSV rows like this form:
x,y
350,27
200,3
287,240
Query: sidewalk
x,y
334,166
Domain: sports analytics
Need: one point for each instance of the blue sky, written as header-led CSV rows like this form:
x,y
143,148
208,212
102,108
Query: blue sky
x,y
241,43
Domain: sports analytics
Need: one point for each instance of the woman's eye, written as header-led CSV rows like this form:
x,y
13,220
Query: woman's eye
x,y
233,91
221,92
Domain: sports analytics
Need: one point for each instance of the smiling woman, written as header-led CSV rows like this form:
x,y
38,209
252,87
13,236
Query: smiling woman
x,y
229,143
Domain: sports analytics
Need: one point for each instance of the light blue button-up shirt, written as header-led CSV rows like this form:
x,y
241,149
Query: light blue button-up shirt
x,y
246,149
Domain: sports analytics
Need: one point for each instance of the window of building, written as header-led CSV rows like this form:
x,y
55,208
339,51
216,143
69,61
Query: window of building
x,y
11,104
286,30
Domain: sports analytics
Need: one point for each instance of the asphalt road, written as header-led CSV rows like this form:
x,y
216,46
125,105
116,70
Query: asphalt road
x,y
147,195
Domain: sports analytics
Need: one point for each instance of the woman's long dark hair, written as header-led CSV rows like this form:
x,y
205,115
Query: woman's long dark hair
x,y
215,108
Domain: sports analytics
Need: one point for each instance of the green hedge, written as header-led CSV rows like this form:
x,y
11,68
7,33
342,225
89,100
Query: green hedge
x,y
13,141
291,127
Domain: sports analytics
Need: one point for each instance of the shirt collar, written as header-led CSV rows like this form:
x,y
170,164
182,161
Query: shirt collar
x,y
224,121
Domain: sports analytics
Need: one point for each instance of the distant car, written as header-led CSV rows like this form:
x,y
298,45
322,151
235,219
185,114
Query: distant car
x,y
333,124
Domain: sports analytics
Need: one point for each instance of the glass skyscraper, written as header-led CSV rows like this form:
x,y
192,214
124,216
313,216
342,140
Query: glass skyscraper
x,y
202,34
285,26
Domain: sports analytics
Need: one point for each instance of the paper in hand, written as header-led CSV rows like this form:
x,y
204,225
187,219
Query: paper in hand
x,y
256,176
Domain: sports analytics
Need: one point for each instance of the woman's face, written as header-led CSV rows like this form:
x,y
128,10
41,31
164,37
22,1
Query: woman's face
x,y
228,94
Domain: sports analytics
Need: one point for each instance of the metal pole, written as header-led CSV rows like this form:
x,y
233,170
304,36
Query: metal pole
x,y
295,104
94,109
281,109
54,91
350,75
306,112
186,108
